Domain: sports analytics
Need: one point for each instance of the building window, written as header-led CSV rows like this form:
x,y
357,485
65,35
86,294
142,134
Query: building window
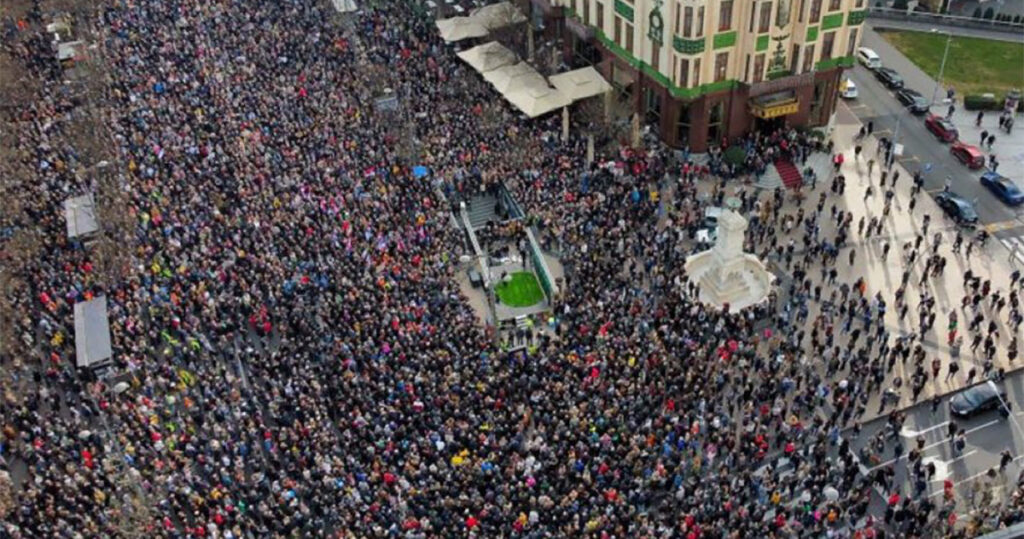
x,y
699,28
782,14
815,11
715,123
600,14
629,38
859,3
586,13
794,59
653,106
655,56
746,70
725,15
800,17
572,5
766,18
684,73
834,4
617,35
696,72
819,92
808,58
721,66
683,125
851,45
759,68
687,22
826,45
753,15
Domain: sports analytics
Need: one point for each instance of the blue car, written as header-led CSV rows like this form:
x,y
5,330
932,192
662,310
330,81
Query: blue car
x,y
1003,188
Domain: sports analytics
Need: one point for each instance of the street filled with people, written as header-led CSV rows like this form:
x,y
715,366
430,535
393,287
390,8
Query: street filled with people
x,y
300,360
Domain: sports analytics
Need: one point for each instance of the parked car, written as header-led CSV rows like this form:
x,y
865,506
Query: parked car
x,y
941,128
889,77
976,399
912,100
968,154
847,89
868,58
1003,188
957,207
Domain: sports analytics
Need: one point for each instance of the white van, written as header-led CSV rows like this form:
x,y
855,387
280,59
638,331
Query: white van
x,y
868,58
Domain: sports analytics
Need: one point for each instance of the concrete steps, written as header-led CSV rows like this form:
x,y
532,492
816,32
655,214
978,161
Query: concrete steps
x,y
481,210
770,180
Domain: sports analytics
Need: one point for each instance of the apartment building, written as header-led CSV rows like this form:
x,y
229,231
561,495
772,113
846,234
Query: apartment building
x,y
703,70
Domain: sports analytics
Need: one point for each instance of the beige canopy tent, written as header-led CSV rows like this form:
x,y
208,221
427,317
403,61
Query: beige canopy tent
x,y
581,83
497,15
511,77
534,101
459,28
488,57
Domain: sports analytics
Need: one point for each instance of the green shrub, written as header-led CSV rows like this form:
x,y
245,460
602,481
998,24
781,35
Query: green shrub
x,y
734,155
900,4
979,102
977,13
989,13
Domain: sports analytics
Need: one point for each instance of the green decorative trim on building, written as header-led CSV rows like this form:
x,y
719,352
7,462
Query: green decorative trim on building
x,y
812,34
834,20
842,61
688,46
647,69
624,9
762,43
856,17
723,40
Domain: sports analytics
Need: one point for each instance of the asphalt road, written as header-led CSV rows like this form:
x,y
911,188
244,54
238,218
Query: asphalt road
x,y
988,435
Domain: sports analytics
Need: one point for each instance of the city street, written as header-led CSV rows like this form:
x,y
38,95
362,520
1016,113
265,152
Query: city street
x,y
922,151
987,436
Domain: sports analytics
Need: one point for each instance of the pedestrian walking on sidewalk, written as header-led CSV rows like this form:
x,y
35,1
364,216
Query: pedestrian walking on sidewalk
x,y
871,167
984,137
954,368
1005,460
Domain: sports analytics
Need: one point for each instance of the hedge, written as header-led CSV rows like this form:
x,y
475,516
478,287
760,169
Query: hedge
x,y
981,102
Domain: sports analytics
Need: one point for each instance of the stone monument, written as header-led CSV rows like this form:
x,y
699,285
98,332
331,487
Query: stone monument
x,y
725,275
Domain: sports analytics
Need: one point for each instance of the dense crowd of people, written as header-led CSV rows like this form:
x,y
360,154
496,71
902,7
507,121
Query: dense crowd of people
x,y
302,362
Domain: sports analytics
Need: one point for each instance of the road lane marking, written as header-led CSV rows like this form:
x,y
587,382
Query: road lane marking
x,y
971,478
1002,225
910,433
936,444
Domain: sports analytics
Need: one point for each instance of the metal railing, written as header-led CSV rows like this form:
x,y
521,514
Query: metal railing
x,y
944,20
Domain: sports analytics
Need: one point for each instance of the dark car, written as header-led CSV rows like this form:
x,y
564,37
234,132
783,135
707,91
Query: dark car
x,y
959,208
976,399
912,100
889,77
941,128
1003,188
968,155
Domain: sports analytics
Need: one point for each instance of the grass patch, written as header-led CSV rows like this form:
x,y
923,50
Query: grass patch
x,y
974,65
522,290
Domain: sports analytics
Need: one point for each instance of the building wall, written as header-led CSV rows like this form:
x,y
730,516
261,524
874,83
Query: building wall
x,y
702,64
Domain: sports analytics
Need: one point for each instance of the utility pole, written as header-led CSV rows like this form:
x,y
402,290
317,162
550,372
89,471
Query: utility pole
x,y
942,66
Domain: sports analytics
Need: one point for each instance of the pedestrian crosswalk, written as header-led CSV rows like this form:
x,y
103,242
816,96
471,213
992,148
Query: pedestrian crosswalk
x,y
1015,245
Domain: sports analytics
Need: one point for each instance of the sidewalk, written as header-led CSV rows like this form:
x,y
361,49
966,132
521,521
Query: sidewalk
x,y
884,275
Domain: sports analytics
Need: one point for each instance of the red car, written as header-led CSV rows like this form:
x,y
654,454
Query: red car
x,y
941,128
968,155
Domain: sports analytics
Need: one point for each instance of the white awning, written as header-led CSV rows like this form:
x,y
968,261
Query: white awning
x,y
80,214
512,77
535,101
488,57
498,15
459,28
581,83
92,333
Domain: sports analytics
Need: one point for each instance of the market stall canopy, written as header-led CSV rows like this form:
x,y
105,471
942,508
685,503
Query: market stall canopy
x,y
580,84
459,28
515,76
497,15
537,100
80,214
92,333
488,57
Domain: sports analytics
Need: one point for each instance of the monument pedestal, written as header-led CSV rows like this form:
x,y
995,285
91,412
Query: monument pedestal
x,y
725,274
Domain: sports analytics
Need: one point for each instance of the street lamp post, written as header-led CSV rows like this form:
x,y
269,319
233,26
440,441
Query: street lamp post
x,y
942,66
